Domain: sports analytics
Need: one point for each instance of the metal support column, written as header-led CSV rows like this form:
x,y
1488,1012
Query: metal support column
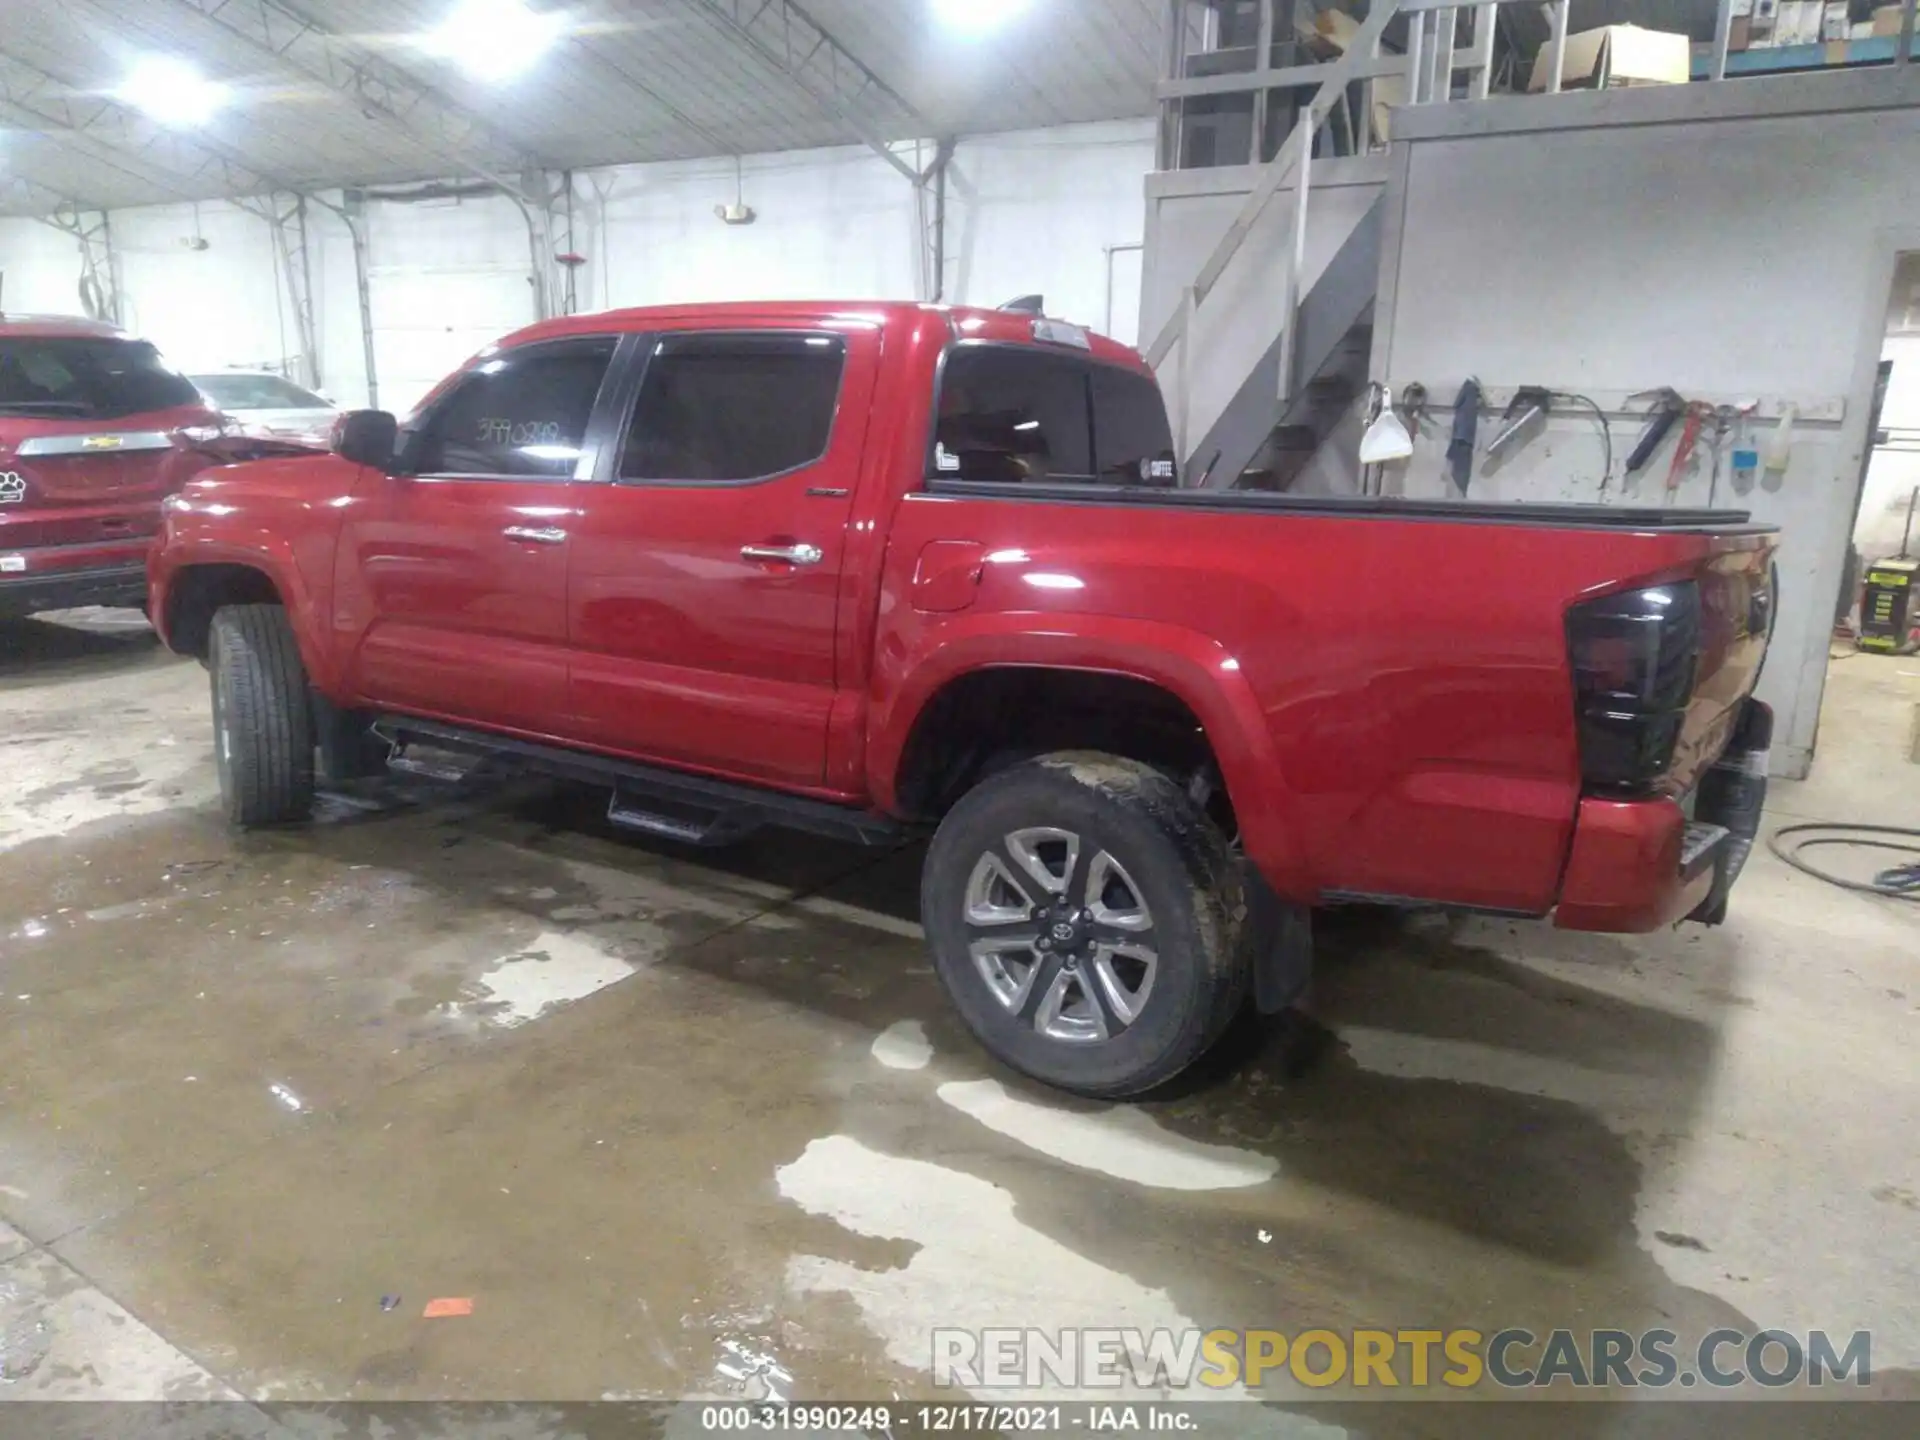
x,y
1483,29
930,216
286,217
1296,259
352,211
1416,54
1722,37
1557,43
1446,25
1175,68
538,209
99,266
1262,58
1183,431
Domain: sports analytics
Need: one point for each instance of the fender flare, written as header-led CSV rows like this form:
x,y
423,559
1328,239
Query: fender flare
x,y
273,558
1194,668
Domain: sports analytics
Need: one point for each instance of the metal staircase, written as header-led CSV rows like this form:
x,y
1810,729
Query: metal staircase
x,y
1294,387
1318,356
1255,389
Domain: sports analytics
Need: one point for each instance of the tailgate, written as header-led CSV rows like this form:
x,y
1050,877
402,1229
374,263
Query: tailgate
x,y
1736,584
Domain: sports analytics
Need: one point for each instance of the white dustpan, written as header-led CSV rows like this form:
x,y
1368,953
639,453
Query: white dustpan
x,y
1386,439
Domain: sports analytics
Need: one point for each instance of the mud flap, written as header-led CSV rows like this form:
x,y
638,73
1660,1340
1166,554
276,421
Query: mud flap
x,y
1732,795
1278,945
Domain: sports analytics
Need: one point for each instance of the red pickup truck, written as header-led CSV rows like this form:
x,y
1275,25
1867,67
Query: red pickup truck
x,y
870,569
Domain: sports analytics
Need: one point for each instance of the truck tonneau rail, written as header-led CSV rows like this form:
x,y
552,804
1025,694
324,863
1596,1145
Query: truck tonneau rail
x,y
1361,507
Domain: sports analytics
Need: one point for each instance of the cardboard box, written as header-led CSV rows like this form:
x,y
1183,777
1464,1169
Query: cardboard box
x,y
1833,21
1617,55
1886,20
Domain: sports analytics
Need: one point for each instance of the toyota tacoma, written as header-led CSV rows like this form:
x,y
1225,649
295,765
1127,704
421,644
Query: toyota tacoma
x,y
871,570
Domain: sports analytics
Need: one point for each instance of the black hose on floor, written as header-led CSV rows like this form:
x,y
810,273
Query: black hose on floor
x,y
1902,882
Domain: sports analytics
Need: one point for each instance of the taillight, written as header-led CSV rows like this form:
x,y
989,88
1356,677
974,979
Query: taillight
x,y
1635,656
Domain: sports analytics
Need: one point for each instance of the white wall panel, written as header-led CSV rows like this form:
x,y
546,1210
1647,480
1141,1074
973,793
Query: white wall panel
x,y
831,224
39,269
1027,212
205,308
1034,212
1612,259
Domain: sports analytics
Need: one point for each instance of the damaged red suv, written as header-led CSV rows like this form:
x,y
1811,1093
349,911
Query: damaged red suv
x,y
95,431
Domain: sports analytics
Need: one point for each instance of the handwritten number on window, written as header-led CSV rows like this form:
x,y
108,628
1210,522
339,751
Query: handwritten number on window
x,y
501,431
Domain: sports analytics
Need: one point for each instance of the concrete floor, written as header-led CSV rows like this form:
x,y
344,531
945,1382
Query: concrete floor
x,y
701,1124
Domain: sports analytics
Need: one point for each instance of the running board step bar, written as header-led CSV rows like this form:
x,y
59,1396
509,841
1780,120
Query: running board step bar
x,y
633,811
674,805
432,762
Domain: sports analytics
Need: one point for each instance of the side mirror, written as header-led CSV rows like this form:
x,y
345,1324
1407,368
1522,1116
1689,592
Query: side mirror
x,y
367,437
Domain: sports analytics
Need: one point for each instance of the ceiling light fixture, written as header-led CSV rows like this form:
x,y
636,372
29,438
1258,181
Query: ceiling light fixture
x,y
976,17
172,91
493,39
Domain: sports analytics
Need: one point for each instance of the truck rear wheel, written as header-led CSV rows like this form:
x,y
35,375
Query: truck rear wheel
x,y
1085,918
262,718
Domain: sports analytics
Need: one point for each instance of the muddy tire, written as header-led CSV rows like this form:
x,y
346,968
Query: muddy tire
x,y
1085,918
262,717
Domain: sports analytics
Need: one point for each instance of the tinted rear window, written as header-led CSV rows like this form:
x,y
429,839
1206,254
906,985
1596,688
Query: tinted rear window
x,y
84,378
1011,414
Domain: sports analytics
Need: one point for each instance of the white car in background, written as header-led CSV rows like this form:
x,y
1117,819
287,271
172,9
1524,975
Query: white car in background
x,y
267,406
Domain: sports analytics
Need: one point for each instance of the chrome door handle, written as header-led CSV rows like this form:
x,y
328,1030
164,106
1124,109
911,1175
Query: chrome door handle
x,y
785,554
548,536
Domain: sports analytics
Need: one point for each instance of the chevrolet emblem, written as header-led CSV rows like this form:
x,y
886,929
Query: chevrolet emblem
x,y
100,442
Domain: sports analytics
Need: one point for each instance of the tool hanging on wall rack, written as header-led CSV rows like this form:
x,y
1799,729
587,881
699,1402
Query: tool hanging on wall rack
x,y
1667,407
1729,420
1413,400
1525,417
1697,413
1746,459
1466,425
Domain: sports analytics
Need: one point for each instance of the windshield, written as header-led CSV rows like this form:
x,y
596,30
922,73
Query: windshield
x,y
87,378
257,392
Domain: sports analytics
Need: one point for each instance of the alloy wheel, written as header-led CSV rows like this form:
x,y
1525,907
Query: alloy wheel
x,y
1061,935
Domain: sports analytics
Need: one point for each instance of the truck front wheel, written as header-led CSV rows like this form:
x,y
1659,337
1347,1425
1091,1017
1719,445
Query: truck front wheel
x,y
262,718
1085,918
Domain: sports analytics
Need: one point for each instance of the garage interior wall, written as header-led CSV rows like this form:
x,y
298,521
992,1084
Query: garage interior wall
x,y
1763,269
1027,212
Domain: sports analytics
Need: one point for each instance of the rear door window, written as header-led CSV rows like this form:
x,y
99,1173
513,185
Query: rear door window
x,y
87,378
1012,414
730,408
521,414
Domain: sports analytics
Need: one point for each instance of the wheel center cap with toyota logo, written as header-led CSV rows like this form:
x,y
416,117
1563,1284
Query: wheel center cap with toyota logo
x,y
13,487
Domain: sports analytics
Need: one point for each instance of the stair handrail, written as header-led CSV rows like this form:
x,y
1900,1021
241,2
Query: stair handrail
x,y
1339,73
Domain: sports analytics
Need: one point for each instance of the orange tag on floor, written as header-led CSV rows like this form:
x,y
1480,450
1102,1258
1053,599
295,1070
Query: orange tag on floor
x,y
442,1309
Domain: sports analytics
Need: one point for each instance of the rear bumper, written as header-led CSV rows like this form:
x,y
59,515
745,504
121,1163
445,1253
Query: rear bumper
x,y
66,589
1640,865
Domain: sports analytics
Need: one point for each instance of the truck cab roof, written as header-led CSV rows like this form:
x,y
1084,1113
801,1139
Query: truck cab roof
x,y
966,322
